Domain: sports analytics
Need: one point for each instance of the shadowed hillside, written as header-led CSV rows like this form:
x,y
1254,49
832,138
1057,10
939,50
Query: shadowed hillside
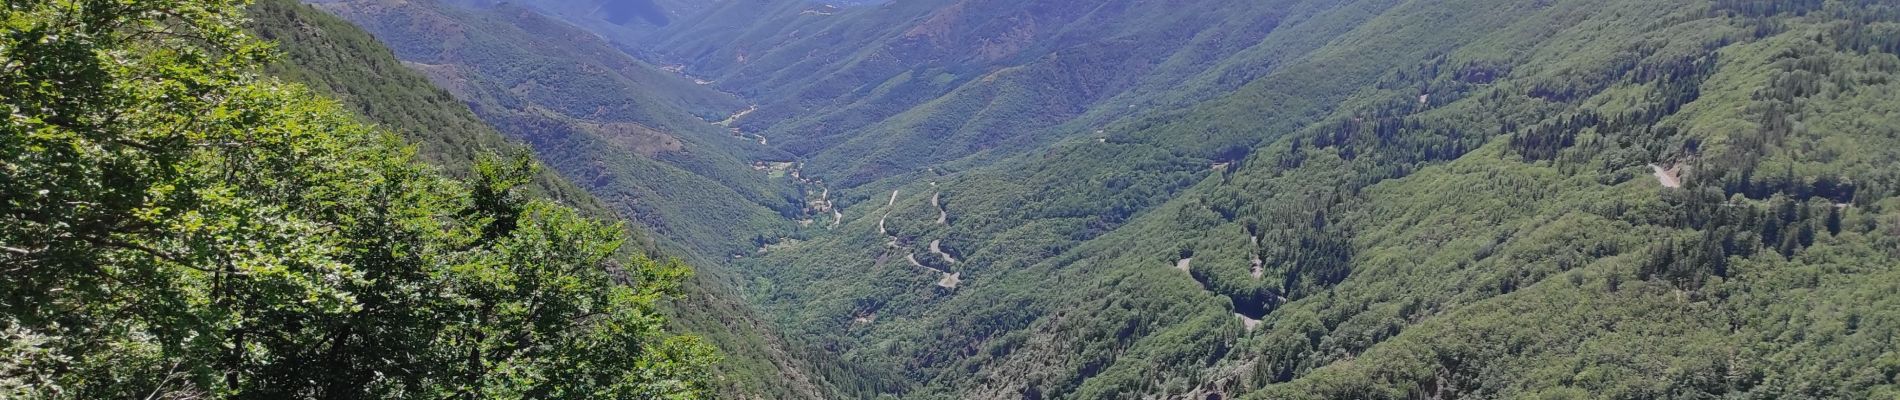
x,y
632,134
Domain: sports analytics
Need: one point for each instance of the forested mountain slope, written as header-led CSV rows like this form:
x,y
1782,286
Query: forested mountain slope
x,y
634,135
328,53
1391,199
176,225
1289,199
619,21
344,63
876,91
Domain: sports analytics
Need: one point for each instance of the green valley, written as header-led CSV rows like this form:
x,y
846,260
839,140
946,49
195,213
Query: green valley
x,y
953,199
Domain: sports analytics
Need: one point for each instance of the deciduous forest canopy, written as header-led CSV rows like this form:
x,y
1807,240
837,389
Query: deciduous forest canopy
x,y
178,225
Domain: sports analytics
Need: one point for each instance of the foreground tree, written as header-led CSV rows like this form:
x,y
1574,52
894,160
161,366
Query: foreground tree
x,y
174,226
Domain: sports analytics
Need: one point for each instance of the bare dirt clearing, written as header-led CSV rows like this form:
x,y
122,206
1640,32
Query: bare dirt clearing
x,y
1670,177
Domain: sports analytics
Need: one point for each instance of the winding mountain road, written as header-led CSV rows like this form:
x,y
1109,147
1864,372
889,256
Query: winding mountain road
x,y
949,280
936,247
943,216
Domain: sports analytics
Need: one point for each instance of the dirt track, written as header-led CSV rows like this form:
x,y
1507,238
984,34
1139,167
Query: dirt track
x,y
736,116
943,216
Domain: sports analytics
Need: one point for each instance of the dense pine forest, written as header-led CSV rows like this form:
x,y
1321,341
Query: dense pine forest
x,y
951,199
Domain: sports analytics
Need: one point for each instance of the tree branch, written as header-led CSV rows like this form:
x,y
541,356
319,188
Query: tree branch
x,y
161,254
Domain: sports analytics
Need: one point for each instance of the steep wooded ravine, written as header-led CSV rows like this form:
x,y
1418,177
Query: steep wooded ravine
x,y
328,53
636,136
